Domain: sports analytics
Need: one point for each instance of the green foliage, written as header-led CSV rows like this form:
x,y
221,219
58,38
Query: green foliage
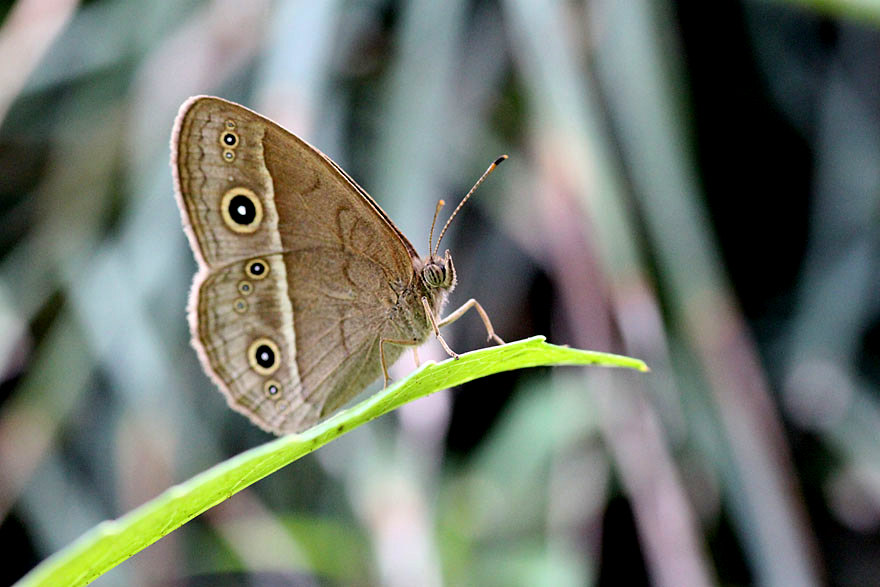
x,y
113,541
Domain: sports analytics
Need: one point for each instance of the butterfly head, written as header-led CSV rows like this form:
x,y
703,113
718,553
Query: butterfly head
x,y
439,272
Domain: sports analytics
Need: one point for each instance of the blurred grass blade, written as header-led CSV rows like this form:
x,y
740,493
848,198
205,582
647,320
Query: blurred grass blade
x,y
114,541
864,11
762,490
28,31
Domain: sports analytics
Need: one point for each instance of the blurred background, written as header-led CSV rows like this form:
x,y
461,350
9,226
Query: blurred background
x,y
695,184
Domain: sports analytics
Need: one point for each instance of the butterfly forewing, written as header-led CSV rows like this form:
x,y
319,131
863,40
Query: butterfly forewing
x,y
299,268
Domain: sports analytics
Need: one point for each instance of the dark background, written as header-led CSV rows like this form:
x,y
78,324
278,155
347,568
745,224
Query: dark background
x,y
695,184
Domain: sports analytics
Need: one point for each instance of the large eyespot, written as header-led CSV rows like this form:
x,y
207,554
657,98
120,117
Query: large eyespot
x,y
256,269
264,356
272,388
229,139
434,275
241,210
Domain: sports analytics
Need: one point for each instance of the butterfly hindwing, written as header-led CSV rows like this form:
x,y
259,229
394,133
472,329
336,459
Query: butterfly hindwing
x,y
242,320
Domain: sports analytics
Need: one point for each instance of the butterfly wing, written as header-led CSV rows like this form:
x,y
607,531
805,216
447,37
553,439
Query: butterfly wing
x,y
298,267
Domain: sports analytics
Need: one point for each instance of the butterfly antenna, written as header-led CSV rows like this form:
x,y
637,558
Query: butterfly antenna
x,y
440,204
491,168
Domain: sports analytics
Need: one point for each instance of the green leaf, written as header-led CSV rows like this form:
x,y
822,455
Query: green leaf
x,y
112,542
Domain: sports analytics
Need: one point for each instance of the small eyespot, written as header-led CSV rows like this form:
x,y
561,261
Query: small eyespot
x,y
264,356
272,388
245,288
230,124
241,210
256,269
240,305
229,139
228,155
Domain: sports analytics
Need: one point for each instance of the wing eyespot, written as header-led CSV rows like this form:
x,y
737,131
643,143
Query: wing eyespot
x,y
256,269
242,210
264,356
245,287
240,306
229,140
272,388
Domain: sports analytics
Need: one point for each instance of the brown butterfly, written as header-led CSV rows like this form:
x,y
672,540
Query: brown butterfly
x,y
306,290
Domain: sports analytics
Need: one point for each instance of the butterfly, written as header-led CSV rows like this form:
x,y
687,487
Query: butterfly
x,y
306,290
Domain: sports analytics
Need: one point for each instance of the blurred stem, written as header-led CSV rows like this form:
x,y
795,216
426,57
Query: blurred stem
x,y
837,292
574,163
762,489
31,417
29,30
61,243
866,11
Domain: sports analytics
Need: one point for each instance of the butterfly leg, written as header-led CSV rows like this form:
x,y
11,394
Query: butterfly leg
x,y
416,357
402,342
472,303
436,327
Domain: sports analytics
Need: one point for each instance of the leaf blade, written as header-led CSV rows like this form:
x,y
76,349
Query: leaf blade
x,y
113,541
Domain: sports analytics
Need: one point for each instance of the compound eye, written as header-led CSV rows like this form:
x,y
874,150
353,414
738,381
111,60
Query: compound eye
x,y
434,275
